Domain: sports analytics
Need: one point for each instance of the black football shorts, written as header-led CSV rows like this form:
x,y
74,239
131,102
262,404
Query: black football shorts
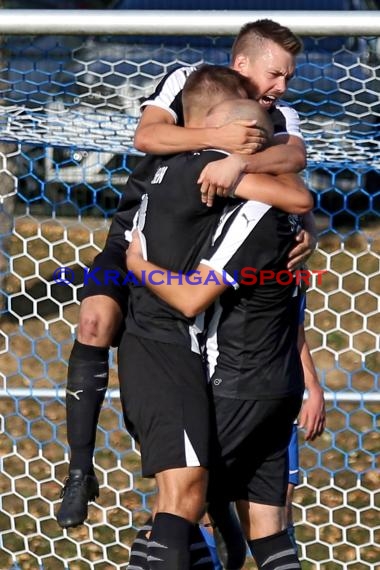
x,y
250,454
107,274
165,403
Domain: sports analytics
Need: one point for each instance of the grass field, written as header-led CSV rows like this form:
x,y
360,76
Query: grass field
x,y
335,506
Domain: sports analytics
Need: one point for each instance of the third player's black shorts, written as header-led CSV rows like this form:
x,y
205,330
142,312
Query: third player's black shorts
x,y
251,450
165,403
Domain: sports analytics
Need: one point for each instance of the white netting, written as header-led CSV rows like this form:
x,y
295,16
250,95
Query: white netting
x,y
68,109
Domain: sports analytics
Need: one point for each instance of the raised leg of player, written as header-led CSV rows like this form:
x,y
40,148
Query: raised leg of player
x,y
87,382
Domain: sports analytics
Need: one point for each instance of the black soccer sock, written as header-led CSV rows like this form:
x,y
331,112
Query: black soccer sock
x,y
200,557
87,382
274,552
230,542
169,543
138,559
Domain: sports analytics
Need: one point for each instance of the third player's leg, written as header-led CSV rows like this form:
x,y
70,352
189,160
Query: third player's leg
x,y
99,320
100,317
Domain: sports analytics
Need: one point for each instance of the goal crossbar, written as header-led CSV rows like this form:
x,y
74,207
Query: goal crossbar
x,y
172,22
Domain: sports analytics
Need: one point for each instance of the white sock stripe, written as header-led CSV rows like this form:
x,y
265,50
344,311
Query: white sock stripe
x,y
140,541
279,555
153,544
139,553
291,566
154,559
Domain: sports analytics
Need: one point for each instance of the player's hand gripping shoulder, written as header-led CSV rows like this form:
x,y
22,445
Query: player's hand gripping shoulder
x,y
306,243
242,137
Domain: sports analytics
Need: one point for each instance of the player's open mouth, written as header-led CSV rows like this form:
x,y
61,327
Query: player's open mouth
x,y
267,100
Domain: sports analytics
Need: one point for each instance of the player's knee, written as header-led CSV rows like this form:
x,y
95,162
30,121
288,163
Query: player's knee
x,y
98,324
89,328
183,493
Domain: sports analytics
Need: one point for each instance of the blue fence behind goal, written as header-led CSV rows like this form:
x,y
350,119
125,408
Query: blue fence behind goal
x,y
68,110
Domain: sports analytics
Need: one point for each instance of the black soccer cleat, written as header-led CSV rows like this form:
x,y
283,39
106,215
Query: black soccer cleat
x,y
79,489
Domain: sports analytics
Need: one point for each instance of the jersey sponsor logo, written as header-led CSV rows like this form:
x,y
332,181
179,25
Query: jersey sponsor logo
x,y
159,175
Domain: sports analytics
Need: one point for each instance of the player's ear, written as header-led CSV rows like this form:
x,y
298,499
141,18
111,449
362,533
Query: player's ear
x,y
241,64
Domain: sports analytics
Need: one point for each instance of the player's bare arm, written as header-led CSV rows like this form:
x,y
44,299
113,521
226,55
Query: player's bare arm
x,y
287,154
187,298
313,414
157,133
286,191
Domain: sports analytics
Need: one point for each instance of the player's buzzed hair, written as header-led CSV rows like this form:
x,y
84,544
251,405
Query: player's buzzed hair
x,y
209,85
240,110
253,35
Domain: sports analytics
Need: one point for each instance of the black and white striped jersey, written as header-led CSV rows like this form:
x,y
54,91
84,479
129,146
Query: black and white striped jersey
x,y
177,228
167,95
252,330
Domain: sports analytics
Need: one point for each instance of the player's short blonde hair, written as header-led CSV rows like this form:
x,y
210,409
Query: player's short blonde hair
x,y
252,36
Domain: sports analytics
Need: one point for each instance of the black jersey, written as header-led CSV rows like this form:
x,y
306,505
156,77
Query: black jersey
x,y
252,335
168,96
129,204
177,228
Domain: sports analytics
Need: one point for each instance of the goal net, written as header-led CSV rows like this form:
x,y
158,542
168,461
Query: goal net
x,y
68,110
